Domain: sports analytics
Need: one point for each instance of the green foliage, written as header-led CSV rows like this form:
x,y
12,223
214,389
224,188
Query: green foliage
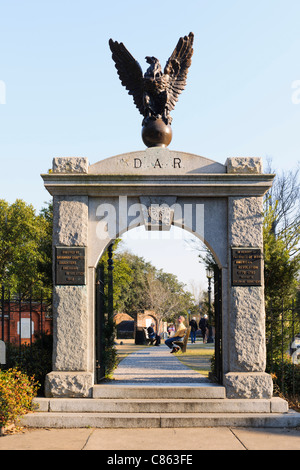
x,y
16,393
281,271
25,247
34,360
44,265
130,295
110,351
284,374
108,336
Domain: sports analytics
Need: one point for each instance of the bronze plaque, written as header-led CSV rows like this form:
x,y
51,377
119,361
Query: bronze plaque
x,y
70,266
246,266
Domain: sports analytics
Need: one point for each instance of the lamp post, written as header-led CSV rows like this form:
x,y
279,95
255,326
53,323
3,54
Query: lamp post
x,y
209,275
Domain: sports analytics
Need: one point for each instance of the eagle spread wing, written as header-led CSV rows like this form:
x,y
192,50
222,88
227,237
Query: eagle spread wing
x,y
129,71
177,69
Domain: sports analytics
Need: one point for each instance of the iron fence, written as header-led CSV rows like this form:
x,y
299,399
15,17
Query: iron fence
x,y
283,346
24,317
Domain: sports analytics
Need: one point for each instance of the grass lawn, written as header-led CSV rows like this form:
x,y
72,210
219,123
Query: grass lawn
x,y
197,356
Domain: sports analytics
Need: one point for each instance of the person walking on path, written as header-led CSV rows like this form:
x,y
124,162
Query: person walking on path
x,y
203,325
194,328
179,334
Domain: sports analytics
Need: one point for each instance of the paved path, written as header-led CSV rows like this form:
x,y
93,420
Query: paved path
x,y
155,365
152,366
169,440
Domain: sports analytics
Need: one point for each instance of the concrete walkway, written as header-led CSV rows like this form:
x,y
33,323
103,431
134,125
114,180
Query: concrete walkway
x,y
154,439
154,366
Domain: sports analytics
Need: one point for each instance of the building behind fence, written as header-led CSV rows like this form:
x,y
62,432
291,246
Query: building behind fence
x,y
23,318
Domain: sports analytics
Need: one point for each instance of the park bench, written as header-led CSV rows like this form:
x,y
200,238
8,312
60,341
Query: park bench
x,y
183,343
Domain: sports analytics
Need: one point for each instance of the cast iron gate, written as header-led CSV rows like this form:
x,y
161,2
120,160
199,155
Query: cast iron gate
x,y
100,324
103,310
218,369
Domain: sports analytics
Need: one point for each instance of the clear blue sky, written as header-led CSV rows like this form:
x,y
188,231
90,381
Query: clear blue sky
x,y
63,96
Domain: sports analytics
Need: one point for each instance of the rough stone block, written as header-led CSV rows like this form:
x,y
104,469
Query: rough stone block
x,y
244,165
70,345
248,385
70,165
247,329
245,221
70,221
68,384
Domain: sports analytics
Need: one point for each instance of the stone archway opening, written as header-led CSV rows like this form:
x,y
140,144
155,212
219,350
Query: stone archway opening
x,y
175,253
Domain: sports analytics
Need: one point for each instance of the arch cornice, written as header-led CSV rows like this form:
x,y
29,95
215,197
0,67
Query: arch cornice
x,y
160,172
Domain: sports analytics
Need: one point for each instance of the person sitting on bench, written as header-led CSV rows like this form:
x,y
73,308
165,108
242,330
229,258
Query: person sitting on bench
x,y
178,336
153,337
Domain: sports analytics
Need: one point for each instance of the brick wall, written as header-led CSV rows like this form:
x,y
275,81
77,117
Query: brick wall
x,y
17,323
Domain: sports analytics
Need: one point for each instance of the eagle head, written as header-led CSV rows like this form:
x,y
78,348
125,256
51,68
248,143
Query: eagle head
x,y
154,71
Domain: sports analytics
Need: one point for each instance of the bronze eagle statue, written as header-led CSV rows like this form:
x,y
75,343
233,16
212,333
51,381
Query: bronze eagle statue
x,y
156,92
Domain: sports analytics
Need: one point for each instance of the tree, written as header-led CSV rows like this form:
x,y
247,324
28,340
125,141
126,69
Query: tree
x,y
139,286
167,296
134,296
45,246
282,265
25,247
281,234
122,277
282,207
